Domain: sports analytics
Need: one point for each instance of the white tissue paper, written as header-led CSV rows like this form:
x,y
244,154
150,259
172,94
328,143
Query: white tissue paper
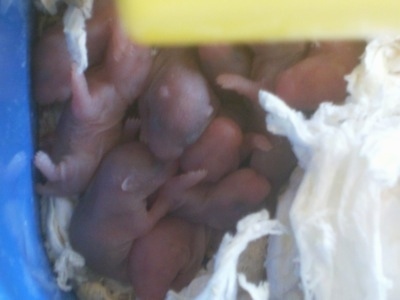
x,y
224,282
74,19
344,219
68,264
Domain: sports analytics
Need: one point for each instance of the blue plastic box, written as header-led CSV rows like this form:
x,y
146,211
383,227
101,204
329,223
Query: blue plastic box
x,y
25,272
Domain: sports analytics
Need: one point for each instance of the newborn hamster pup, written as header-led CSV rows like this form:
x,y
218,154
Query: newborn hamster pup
x,y
131,191
178,104
91,123
168,257
113,212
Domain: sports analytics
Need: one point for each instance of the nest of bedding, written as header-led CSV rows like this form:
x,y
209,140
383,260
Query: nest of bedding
x,y
337,216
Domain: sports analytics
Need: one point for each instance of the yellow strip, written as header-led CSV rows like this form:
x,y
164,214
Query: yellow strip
x,y
177,22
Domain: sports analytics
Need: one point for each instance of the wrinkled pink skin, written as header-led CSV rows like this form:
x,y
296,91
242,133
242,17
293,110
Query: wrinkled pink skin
x,y
51,61
220,205
217,150
168,257
91,123
303,75
178,104
115,211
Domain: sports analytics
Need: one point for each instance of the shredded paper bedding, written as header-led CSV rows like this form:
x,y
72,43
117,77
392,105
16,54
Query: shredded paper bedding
x,y
343,218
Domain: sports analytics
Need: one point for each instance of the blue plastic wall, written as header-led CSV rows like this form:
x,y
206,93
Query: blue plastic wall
x,y
24,269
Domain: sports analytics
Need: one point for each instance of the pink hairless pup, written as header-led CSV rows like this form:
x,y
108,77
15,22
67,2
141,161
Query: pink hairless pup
x,y
116,209
304,75
178,104
168,257
91,123
51,61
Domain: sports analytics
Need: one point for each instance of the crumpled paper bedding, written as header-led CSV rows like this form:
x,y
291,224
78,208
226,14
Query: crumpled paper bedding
x,y
281,263
343,222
